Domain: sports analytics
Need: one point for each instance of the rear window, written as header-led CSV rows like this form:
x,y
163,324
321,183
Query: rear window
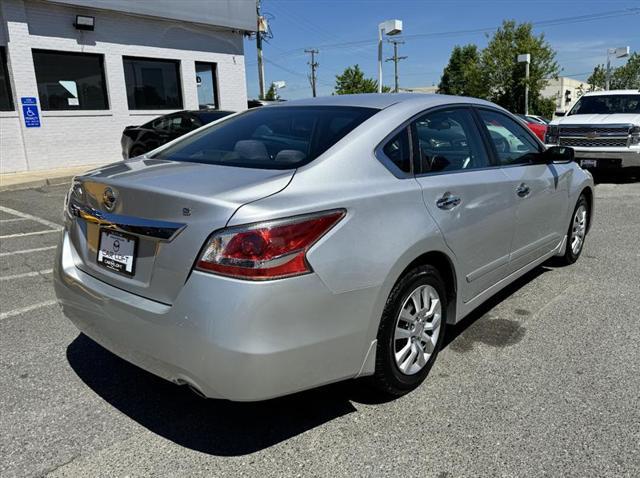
x,y
281,137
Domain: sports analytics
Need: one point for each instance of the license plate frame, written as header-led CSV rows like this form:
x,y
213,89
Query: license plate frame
x,y
106,257
588,163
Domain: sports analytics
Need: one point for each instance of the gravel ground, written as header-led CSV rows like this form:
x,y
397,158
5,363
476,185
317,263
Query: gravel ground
x,y
543,380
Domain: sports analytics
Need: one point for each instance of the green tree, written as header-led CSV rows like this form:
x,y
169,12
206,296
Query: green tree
x,y
598,78
625,77
353,81
506,77
272,93
463,74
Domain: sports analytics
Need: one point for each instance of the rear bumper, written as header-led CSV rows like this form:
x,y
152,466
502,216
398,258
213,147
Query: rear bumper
x,y
230,339
623,158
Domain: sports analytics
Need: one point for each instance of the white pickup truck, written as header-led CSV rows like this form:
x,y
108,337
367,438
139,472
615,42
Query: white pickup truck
x,y
603,128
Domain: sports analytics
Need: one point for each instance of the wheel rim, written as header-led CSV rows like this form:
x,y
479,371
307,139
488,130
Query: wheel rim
x,y
417,329
578,229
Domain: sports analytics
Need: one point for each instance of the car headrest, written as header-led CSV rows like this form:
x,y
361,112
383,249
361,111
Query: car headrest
x,y
251,149
290,156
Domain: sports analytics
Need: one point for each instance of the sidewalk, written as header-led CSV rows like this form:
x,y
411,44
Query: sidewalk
x,y
45,177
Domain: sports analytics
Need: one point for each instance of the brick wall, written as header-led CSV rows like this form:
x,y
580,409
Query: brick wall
x,y
70,138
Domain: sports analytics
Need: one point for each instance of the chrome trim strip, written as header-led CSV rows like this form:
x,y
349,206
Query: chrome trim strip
x,y
149,228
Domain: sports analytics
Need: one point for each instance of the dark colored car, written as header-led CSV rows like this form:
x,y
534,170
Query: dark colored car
x,y
259,103
137,140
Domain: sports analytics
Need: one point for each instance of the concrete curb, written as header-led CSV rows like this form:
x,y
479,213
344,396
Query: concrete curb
x,y
37,183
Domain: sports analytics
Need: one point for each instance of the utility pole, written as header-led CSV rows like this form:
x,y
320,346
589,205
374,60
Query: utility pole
x,y
395,59
259,48
314,65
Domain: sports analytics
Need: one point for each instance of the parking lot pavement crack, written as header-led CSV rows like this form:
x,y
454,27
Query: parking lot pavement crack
x,y
50,470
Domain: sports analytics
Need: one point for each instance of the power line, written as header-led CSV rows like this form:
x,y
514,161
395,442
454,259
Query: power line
x,y
550,22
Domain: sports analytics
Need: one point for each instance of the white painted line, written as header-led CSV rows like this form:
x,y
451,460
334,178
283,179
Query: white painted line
x,y
27,251
15,219
27,274
35,233
24,215
23,310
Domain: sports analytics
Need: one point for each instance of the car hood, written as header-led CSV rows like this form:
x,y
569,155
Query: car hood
x,y
594,119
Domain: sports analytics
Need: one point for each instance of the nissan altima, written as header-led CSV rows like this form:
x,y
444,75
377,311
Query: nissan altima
x,y
313,241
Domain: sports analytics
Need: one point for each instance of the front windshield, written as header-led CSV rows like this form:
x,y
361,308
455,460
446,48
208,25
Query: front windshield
x,y
270,137
606,105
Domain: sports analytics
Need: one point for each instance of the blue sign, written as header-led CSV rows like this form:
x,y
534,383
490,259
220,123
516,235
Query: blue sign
x,y
30,112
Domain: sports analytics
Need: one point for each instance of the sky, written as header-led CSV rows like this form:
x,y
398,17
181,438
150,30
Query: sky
x,y
345,32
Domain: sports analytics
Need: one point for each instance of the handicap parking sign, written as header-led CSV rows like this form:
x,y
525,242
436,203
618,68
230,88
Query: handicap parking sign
x,y
30,112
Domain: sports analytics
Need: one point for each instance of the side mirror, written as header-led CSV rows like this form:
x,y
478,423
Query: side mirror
x,y
558,154
561,113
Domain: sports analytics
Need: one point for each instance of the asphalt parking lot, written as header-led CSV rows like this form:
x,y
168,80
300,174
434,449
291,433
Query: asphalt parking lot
x,y
544,380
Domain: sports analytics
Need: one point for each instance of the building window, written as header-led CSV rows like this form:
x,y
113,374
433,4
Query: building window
x,y
6,101
207,82
152,84
70,81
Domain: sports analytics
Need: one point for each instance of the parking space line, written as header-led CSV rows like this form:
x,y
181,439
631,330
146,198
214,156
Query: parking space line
x,y
27,251
35,233
31,217
11,313
15,219
27,274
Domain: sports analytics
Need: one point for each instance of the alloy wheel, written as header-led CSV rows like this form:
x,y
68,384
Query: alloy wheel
x,y
417,329
578,229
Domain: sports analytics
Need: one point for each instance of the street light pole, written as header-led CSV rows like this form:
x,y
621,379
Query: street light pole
x,y
389,27
526,59
621,52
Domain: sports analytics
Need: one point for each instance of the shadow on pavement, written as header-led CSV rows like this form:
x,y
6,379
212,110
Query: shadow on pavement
x,y
508,333
216,427
225,428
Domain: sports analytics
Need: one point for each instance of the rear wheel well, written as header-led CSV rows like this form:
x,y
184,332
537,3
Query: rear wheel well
x,y
588,194
440,261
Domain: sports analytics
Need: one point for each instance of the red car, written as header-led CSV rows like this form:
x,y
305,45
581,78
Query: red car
x,y
538,129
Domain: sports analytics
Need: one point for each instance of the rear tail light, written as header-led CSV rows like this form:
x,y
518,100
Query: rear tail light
x,y
267,250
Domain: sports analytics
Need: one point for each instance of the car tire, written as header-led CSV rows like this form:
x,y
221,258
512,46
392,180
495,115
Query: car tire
x,y
394,376
577,231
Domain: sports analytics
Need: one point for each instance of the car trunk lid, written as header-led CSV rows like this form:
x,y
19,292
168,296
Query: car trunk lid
x,y
170,208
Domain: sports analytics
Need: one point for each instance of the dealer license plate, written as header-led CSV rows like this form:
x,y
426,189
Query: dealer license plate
x,y
588,163
117,252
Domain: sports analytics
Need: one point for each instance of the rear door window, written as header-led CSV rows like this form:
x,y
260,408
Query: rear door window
x,y
448,140
279,137
398,151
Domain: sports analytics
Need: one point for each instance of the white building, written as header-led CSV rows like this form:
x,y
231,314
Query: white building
x,y
565,91
74,73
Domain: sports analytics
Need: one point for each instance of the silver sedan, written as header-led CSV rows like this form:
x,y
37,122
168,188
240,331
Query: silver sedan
x,y
314,241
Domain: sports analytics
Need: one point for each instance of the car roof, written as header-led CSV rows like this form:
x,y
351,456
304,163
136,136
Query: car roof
x,y
381,100
612,92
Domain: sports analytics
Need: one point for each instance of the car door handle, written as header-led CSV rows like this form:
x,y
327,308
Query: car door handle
x,y
448,201
523,190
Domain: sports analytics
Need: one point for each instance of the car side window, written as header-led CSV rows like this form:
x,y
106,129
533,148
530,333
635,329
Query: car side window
x,y
448,140
512,142
398,151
